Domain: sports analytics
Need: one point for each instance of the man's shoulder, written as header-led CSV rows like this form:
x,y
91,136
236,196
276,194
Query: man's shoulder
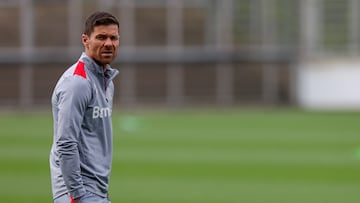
x,y
79,69
76,70
75,77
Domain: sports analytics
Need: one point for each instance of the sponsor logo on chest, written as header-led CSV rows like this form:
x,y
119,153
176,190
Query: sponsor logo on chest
x,y
99,112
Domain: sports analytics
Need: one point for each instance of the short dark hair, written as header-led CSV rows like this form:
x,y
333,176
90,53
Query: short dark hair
x,y
99,18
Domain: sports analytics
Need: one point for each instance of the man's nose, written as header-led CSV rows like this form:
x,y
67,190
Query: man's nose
x,y
108,42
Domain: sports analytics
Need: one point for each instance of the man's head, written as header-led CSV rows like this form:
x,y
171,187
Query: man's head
x,y
101,37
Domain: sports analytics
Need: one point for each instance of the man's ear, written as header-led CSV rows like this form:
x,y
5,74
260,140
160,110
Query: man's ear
x,y
85,40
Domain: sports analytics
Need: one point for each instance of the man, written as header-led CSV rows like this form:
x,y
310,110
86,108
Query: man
x,y
81,154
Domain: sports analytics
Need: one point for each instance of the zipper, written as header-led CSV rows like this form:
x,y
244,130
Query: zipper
x,y
104,81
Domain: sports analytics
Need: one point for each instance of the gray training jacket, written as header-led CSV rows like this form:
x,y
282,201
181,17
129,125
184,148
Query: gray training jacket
x,y
81,153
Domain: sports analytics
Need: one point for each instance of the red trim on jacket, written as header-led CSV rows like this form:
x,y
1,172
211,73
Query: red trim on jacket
x,y
72,199
80,69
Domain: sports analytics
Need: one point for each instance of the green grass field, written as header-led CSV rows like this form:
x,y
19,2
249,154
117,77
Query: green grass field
x,y
229,156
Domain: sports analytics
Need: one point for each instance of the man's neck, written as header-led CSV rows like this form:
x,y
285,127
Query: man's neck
x,y
103,66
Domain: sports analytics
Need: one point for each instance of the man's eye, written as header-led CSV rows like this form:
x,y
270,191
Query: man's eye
x,y
100,37
114,38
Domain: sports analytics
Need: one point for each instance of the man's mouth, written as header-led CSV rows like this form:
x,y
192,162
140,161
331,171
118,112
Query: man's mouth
x,y
107,53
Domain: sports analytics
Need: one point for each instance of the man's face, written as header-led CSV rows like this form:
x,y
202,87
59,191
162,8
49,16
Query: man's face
x,y
102,44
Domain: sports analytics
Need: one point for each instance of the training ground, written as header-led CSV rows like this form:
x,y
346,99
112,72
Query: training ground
x,y
201,156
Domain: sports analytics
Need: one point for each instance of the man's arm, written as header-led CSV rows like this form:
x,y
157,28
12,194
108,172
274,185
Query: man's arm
x,y
74,95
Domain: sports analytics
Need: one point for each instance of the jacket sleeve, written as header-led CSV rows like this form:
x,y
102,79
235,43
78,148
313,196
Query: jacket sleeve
x,y
73,98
